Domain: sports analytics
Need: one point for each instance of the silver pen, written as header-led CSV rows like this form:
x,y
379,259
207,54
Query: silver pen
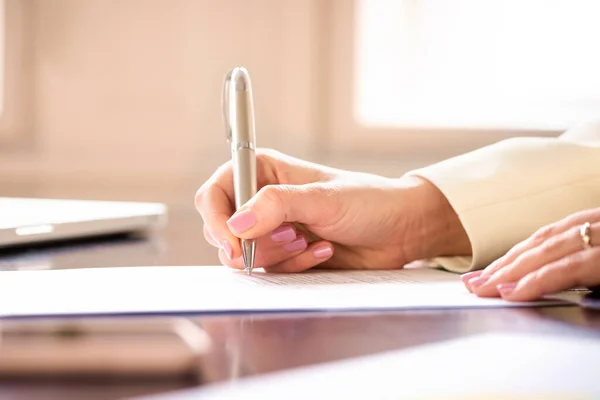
x,y
238,113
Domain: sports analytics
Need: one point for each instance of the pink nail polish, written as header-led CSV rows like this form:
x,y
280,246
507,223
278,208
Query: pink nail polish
x,y
469,275
506,289
242,222
322,252
478,281
296,245
227,249
284,233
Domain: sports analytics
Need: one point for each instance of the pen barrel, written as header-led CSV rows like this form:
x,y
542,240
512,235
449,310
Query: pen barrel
x,y
243,152
241,112
244,173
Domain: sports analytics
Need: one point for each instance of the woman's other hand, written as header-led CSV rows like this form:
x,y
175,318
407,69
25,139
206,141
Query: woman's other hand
x,y
555,258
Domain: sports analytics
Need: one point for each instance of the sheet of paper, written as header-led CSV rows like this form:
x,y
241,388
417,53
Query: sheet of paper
x,y
208,289
489,366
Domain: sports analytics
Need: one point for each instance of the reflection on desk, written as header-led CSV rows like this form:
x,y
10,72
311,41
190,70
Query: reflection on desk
x,y
479,367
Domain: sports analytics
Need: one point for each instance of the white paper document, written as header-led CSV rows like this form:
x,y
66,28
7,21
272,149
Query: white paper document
x,y
217,289
489,366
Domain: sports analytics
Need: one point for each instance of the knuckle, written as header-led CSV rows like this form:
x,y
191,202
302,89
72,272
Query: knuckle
x,y
202,191
270,169
264,154
519,259
574,259
331,193
223,170
542,234
574,263
530,281
320,191
539,281
527,259
582,216
199,196
550,243
493,268
510,256
273,195
511,271
541,275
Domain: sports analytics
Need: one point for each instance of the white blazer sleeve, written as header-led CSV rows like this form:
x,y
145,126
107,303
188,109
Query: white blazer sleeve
x,y
504,192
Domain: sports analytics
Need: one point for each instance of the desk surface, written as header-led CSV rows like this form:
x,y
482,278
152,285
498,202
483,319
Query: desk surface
x,y
262,343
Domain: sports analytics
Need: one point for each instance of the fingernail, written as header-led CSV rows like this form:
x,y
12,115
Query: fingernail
x,y
284,233
242,222
322,252
506,289
478,281
227,249
469,275
298,244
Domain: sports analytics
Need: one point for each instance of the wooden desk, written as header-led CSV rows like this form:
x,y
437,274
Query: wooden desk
x,y
252,345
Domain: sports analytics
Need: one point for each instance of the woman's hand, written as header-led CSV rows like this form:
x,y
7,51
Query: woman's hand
x,y
307,214
555,258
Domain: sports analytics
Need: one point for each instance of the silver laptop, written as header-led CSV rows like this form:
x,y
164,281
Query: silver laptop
x,y
30,220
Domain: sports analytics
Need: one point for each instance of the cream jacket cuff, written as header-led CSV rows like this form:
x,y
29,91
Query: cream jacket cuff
x,y
505,192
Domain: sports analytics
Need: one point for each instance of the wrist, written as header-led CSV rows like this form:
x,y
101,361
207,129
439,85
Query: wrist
x,y
436,228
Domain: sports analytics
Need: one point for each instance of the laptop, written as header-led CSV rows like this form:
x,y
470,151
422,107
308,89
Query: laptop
x,y
33,220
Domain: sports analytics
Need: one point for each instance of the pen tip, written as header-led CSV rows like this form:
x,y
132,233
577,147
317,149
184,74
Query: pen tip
x,y
248,250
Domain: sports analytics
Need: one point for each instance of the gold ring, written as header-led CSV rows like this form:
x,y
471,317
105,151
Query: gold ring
x,y
584,231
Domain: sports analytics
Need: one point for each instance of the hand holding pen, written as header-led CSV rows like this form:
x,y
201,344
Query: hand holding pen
x,y
306,215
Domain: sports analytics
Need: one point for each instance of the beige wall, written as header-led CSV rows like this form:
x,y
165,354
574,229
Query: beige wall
x,y
131,88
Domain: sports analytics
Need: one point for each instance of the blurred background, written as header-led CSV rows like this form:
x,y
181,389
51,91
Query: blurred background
x,y
125,94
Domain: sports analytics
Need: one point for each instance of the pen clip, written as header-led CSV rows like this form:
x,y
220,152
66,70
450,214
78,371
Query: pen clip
x,y
225,106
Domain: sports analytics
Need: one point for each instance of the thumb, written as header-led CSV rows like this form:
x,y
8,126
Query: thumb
x,y
275,204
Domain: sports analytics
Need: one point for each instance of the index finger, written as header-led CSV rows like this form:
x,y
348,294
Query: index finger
x,y
214,202
566,273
